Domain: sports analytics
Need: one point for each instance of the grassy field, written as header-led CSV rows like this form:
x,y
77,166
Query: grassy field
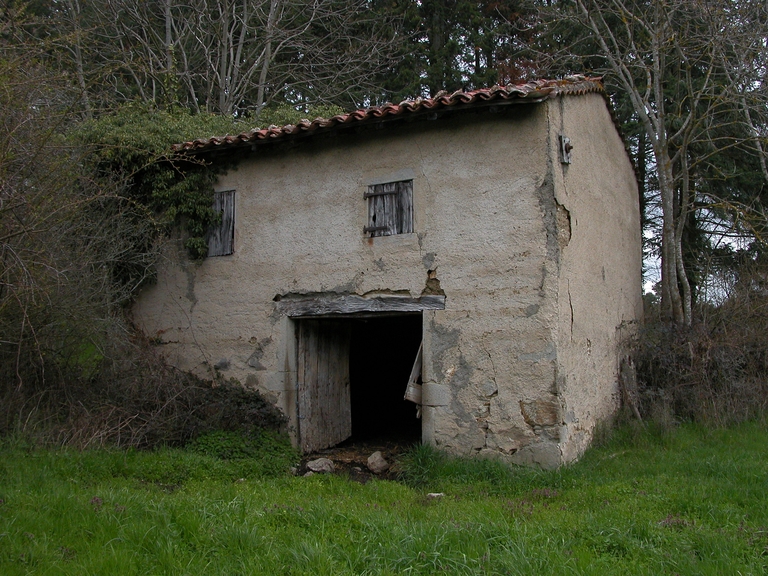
x,y
694,501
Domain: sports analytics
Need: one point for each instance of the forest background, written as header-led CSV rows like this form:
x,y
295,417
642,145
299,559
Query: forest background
x,y
93,95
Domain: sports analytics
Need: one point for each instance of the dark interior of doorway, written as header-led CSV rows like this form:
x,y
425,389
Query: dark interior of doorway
x,y
382,353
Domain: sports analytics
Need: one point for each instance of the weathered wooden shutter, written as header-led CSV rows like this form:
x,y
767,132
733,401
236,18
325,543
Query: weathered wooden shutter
x,y
390,208
221,238
324,401
405,207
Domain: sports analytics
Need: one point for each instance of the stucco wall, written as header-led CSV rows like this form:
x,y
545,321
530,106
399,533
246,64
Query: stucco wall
x,y
600,265
485,221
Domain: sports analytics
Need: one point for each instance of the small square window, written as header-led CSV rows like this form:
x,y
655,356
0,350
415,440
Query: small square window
x,y
221,237
390,208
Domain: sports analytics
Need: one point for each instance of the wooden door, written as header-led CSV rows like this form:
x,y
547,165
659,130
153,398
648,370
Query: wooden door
x,y
324,406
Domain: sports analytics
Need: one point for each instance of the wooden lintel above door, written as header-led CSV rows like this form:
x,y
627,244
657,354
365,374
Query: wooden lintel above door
x,y
344,304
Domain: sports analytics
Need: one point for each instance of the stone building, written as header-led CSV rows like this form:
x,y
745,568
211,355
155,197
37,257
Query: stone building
x,y
482,249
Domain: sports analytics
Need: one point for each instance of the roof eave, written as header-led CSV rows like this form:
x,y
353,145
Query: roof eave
x,y
490,99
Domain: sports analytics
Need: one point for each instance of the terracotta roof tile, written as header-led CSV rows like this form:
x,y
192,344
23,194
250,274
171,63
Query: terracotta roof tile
x,y
534,91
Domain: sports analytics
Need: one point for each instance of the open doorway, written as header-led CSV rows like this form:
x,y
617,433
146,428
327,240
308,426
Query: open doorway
x,y
352,375
382,353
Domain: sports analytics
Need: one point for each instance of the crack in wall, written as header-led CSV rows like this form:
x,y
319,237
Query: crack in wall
x,y
493,365
570,305
563,225
485,409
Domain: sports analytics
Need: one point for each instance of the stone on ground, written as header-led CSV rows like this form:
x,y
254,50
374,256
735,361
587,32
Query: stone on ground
x,y
321,466
376,463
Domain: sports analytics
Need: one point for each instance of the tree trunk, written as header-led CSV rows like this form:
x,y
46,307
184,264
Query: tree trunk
x,y
267,57
74,12
671,299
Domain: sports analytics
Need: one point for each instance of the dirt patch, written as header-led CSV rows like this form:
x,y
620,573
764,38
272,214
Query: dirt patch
x,y
351,459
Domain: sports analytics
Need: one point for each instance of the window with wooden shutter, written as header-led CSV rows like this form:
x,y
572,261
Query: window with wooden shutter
x,y
390,208
221,238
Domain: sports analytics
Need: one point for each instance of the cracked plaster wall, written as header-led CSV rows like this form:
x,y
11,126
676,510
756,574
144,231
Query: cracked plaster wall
x,y
600,264
484,219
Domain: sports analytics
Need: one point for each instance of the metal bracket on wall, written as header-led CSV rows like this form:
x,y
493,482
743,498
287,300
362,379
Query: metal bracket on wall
x,y
565,149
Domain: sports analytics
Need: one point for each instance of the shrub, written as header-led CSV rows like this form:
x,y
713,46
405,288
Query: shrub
x,y
714,371
135,399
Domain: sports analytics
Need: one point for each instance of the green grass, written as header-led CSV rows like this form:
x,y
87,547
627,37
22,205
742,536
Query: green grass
x,y
691,502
